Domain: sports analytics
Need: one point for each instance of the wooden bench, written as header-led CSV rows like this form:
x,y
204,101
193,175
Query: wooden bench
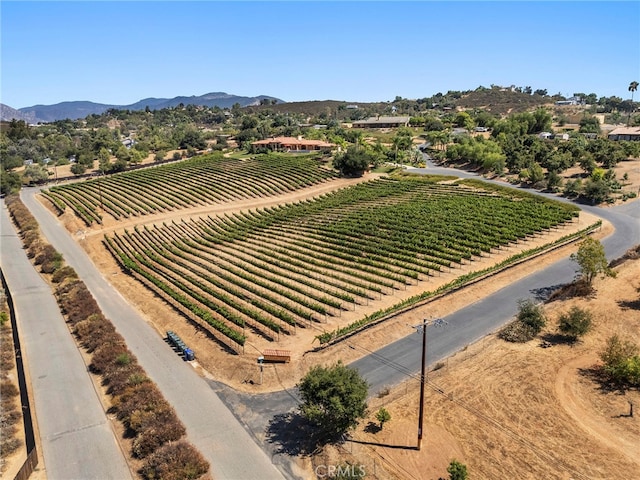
x,y
282,356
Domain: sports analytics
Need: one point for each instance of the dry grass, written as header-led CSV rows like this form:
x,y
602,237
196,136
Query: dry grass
x,y
518,411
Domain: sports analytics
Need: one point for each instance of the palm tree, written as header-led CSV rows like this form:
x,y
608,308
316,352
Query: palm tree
x,y
633,86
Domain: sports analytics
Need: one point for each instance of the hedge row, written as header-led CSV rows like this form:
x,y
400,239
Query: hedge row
x,y
137,402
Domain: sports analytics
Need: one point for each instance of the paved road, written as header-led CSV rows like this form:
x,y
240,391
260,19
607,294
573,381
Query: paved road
x,y
76,436
211,427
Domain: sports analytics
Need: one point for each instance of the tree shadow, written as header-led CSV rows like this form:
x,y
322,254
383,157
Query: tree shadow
x,y
291,434
551,339
372,427
629,304
545,293
597,375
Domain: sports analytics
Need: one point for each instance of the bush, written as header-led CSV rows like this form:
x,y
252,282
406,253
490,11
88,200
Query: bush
x,y
63,273
457,470
76,302
516,332
155,429
119,379
175,461
621,361
576,323
95,332
47,254
529,322
531,315
105,357
144,396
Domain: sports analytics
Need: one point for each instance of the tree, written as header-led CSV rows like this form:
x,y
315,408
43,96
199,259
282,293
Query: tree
x,y
575,323
10,182
333,399
621,361
457,470
354,162
383,416
78,168
592,260
633,87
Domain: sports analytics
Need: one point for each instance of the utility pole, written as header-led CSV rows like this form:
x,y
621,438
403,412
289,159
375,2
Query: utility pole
x,y
422,328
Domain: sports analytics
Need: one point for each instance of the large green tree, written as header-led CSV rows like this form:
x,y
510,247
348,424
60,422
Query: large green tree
x,y
592,260
354,162
333,399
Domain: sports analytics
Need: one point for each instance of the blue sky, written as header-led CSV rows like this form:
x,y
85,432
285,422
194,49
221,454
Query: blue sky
x,y
121,52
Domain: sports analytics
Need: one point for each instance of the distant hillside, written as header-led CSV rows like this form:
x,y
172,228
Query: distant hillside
x,y
501,102
7,114
80,109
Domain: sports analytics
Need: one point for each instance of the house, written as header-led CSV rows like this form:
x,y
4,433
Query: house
x,y
381,122
625,133
291,144
570,101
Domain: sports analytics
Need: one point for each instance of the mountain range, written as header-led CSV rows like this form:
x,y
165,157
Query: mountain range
x,y
81,109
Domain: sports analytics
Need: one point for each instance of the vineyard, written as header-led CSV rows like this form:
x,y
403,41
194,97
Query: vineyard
x,y
271,271
205,180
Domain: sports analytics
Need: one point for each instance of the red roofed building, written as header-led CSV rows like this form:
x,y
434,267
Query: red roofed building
x,y
291,144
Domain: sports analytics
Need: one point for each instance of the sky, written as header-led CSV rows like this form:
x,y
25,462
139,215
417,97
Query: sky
x,y
120,52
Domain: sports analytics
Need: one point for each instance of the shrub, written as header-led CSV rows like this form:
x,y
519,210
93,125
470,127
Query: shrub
x,y
8,390
621,361
4,318
47,254
155,429
457,470
9,418
383,416
8,445
531,315
576,323
105,357
144,396
63,273
517,332
119,379
175,461
76,302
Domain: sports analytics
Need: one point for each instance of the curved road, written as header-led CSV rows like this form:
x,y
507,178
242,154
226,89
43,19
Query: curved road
x,y
231,450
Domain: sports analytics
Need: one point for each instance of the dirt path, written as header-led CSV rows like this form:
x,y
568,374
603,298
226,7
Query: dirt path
x,y
588,420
